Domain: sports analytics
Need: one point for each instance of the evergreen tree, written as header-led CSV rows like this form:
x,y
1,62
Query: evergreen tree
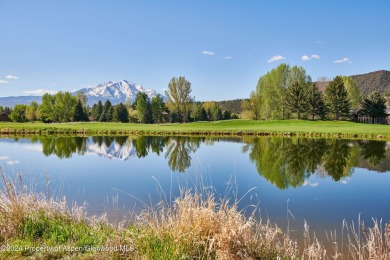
x,y
296,98
141,101
315,103
97,110
79,114
374,106
226,115
149,113
158,107
108,110
336,98
120,113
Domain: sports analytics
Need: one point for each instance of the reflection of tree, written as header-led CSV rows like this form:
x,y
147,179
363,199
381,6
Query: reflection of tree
x,y
64,147
271,156
287,162
373,151
337,159
178,152
316,149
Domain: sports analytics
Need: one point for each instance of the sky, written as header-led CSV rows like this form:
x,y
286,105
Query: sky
x,y
221,47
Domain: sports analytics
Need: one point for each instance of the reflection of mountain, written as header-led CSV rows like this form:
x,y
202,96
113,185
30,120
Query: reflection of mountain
x,y
112,150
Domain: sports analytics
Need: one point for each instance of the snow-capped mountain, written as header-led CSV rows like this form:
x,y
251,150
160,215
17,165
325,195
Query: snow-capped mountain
x,y
116,92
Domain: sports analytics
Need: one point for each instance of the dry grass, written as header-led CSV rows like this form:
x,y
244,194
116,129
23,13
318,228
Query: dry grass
x,y
196,226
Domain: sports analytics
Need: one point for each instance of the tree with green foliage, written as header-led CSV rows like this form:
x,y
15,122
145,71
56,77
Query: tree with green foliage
x,y
120,113
149,113
226,115
18,114
46,110
336,98
374,106
1,109
79,113
315,103
97,110
64,106
216,113
141,101
107,112
271,90
158,107
196,112
31,111
353,92
296,98
179,98
254,105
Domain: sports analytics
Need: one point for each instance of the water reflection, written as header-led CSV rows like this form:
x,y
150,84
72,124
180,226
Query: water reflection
x,y
284,162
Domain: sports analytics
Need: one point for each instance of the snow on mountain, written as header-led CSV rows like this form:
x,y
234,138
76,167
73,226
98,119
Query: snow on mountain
x,y
116,92
114,150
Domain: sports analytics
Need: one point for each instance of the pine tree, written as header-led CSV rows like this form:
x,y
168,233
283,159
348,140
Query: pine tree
x,y
158,107
79,115
336,98
315,103
120,113
97,110
374,106
296,98
106,115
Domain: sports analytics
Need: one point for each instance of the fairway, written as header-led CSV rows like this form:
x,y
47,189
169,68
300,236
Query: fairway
x,y
230,127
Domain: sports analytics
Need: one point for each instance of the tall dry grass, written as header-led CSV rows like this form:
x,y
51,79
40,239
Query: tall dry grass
x,y
196,225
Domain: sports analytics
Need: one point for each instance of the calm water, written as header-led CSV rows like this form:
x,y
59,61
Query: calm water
x,y
321,181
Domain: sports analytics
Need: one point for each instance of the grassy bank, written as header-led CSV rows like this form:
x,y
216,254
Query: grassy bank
x,y
196,226
334,129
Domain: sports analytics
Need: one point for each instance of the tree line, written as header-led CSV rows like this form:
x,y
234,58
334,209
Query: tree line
x,y
180,108
287,92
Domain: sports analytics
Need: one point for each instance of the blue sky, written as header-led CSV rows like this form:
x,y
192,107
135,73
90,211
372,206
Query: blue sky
x,y
221,47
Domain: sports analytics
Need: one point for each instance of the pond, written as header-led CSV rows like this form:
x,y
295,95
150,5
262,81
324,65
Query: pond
x,y
322,181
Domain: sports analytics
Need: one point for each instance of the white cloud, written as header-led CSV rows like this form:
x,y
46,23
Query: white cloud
x,y
12,162
319,42
228,57
4,158
314,56
39,91
3,82
209,53
11,77
342,60
276,58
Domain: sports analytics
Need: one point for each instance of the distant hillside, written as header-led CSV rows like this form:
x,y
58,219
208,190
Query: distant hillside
x,y
377,80
234,106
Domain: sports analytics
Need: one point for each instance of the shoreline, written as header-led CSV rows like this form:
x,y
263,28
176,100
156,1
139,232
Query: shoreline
x,y
230,128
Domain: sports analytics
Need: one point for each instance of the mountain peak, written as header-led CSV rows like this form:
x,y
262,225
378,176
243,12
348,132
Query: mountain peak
x,y
117,92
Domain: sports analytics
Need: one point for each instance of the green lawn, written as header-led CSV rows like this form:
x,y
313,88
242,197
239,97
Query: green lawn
x,y
347,129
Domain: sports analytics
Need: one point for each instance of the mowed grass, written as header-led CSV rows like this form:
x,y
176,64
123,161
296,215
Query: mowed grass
x,y
234,126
